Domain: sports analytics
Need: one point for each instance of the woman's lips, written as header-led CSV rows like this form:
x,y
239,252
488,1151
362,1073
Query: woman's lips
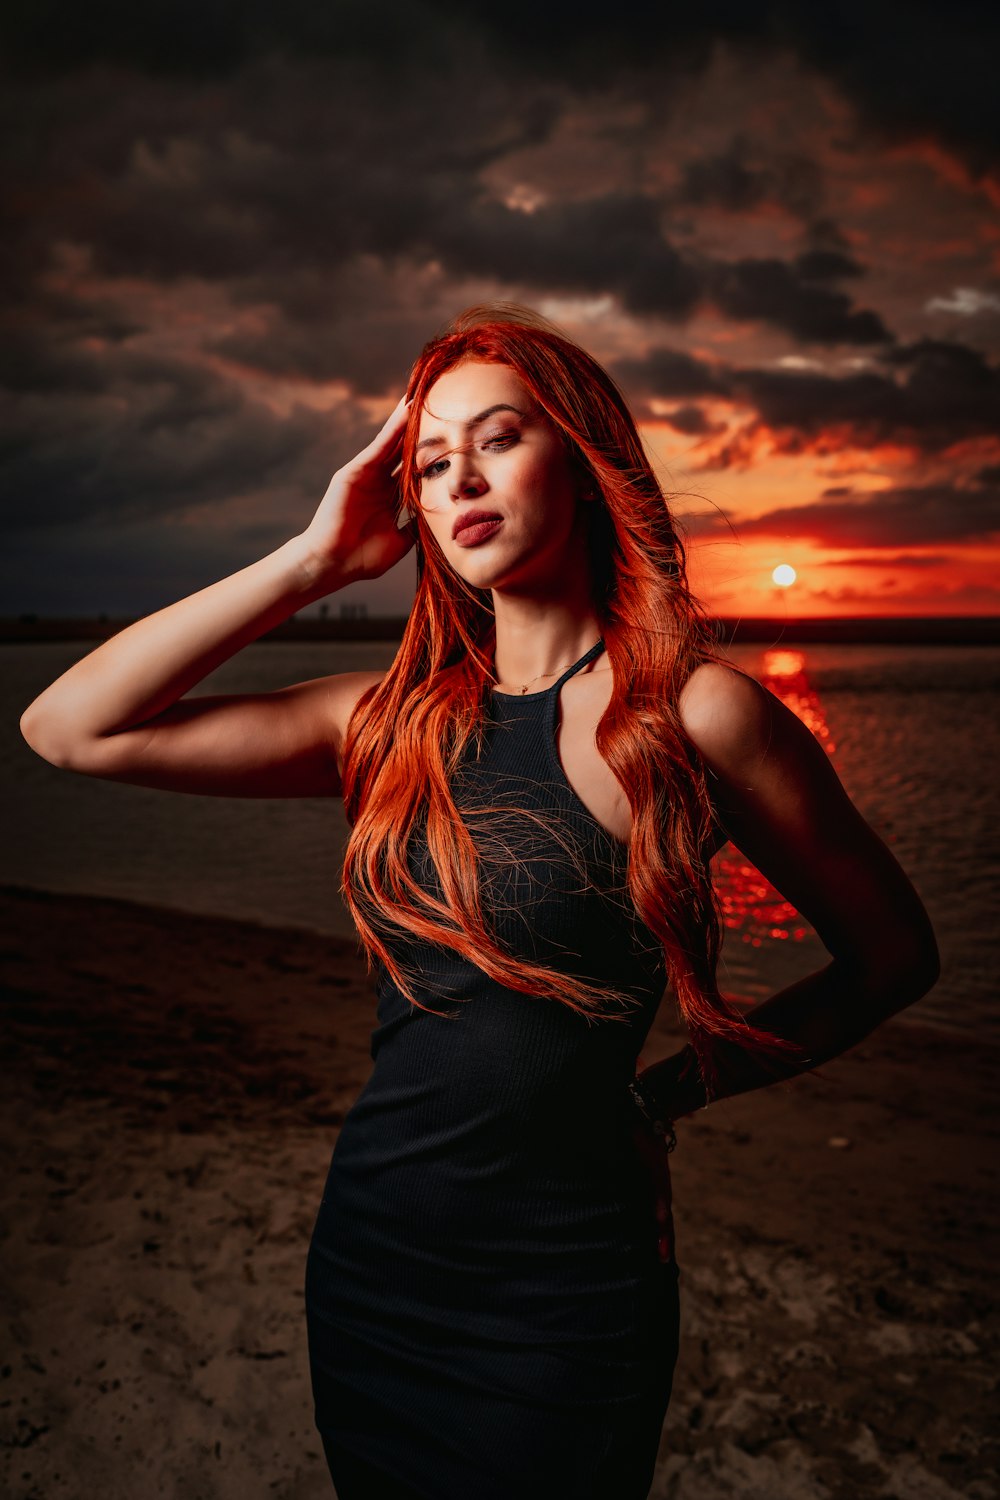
x,y
471,536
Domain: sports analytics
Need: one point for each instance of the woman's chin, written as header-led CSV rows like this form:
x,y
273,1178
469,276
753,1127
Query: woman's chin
x,y
543,570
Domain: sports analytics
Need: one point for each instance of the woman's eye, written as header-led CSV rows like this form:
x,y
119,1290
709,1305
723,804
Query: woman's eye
x,y
500,441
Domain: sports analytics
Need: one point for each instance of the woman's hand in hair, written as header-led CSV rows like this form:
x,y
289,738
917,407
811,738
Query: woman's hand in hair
x,y
355,533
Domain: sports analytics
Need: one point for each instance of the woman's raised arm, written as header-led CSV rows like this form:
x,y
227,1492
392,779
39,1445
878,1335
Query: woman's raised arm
x,y
117,713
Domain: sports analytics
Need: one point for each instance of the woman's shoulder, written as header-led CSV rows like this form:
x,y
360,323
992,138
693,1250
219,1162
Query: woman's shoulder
x,y
726,714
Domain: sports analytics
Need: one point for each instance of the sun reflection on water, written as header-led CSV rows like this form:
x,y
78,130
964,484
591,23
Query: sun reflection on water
x,y
751,907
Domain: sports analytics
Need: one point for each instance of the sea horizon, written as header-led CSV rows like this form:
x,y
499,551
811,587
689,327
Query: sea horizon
x,y
922,630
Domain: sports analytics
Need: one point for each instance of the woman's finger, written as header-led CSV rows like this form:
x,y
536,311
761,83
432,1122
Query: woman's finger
x,y
388,440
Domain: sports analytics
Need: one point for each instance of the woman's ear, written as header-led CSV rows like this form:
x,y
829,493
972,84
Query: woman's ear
x,y
582,473
587,482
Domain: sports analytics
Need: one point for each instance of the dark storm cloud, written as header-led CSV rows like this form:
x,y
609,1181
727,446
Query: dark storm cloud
x,y
770,291
138,436
251,198
671,373
614,243
907,68
738,180
369,345
945,392
692,421
826,265
795,297
934,393
272,219
726,180
346,135
281,232
611,243
902,516
204,39
275,191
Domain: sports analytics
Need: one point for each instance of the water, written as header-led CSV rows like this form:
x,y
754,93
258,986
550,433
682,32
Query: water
x,y
913,732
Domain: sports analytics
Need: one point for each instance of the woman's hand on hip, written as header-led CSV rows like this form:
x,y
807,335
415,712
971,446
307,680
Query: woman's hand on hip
x,y
653,1152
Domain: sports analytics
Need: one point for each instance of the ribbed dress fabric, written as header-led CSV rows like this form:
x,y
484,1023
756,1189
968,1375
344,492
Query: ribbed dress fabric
x,y
487,1313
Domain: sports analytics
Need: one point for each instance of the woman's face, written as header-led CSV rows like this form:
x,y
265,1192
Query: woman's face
x,y
484,446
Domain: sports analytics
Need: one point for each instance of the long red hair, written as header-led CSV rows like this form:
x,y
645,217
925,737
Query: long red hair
x,y
408,733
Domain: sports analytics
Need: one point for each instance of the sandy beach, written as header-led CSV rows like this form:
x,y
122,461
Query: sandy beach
x,y
173,1090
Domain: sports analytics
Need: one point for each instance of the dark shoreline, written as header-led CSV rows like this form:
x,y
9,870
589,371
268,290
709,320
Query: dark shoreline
x,y
209,924
914,630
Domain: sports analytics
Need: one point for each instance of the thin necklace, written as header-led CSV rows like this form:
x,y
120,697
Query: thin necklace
x,y
553,672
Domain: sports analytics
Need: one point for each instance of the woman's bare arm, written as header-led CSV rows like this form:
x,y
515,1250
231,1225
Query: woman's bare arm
x,y
782,804
117,713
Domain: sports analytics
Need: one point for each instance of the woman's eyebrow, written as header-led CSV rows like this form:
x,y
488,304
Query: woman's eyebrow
x,y
472,422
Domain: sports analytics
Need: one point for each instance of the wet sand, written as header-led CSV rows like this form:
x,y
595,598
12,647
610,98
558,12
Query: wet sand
x,y
173,1088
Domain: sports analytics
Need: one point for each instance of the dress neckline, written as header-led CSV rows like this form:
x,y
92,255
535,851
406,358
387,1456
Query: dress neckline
x,y
587,656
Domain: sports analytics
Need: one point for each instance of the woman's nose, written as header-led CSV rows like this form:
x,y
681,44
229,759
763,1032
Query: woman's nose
x,y
465,477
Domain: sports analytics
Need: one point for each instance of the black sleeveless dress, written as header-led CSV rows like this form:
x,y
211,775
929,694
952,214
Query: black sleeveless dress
x,y
487,1313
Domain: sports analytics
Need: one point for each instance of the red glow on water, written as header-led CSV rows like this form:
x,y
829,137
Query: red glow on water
x,y
750,904
784,672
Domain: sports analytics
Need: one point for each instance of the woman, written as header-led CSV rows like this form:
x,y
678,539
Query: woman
x,y
535,789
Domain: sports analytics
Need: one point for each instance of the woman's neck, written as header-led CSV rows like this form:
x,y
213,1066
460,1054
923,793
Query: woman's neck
x,y
534,657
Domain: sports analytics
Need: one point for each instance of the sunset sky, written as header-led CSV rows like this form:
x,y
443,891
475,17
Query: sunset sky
x,y
231,227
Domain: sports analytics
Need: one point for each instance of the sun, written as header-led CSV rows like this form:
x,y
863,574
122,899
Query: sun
x,y
784,575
